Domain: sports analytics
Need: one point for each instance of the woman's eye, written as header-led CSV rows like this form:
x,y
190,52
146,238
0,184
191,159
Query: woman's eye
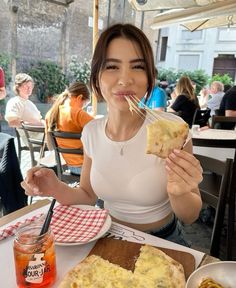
x,y
139,66
111,67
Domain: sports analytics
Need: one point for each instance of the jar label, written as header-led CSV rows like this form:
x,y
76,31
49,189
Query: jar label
x,y
35,269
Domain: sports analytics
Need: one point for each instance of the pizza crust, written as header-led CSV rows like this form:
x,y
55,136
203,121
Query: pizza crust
x,y
153,269
163,136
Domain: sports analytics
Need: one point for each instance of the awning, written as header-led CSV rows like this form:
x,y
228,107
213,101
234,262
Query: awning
x,y
221,8
225,20
146,5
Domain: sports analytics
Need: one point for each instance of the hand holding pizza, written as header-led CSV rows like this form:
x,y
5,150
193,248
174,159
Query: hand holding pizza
x,y
184,173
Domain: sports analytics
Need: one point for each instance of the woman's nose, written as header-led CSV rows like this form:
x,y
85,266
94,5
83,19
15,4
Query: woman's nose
x,y
125,79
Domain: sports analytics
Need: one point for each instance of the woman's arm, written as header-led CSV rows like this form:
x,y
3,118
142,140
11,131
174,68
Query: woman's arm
x,y
184,173
44,182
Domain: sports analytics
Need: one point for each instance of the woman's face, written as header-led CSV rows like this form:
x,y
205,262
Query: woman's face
x,y
25,89
124,73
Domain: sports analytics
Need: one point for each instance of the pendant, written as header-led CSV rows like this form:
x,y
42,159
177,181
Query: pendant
x,y
121,151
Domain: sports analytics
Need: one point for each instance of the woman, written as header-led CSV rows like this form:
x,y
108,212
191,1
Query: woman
x,y
20,108
186,101
67,115
141,191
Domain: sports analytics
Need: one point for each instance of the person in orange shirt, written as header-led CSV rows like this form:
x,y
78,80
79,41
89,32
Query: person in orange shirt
x,y
67,115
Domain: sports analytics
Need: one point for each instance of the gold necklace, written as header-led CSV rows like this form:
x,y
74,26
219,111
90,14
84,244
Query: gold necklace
x,y
124,142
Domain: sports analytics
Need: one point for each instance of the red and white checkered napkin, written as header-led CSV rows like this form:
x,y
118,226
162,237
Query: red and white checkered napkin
x,y
75,225
11,230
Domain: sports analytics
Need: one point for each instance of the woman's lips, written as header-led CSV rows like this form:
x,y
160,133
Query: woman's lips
x,y
124,94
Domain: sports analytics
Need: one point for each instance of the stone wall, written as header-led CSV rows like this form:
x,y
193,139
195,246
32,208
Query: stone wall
x,y
32,30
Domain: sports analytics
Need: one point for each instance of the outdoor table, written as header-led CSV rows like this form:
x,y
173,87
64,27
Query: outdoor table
x,y
69,256
219,144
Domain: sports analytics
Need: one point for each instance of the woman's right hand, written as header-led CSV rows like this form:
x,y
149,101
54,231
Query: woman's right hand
x,y
41,181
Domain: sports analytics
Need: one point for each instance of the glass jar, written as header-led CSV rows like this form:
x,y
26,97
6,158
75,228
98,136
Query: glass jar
x,y
35,260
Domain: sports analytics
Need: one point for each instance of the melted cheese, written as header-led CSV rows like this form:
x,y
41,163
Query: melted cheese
x,y
152,270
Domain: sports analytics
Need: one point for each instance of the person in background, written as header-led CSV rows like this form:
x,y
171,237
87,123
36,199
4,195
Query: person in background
x,y
228,107
2,84
215,97
20,108
203,97
67,115
157,100
140,190
211,98
186,101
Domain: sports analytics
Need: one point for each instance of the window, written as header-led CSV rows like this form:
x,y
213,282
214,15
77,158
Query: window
x,y
188,62
164,41
188,35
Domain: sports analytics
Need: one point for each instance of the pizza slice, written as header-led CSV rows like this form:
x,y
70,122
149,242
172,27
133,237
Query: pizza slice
x,y
164,135
95,272
157,266
153,269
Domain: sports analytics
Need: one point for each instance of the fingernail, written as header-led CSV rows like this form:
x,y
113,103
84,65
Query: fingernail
x,y
177,151
168,160
35,190
167,168
172,155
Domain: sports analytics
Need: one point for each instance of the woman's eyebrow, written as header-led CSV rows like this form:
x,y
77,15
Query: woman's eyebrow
x,y
119,61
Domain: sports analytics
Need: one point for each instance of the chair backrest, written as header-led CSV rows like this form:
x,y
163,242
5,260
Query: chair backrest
x,y
201,117
223,122
20,145
57,149
35,137
215,192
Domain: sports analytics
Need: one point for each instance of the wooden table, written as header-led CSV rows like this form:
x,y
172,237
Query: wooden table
x,y
41,203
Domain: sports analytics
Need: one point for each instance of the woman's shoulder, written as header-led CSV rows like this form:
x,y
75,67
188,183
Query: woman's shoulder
x,y
95,124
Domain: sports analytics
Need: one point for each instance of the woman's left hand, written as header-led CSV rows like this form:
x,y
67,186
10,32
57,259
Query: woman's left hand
x,y
184,173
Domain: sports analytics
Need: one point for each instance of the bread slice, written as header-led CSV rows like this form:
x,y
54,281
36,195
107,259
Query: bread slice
x,y
163,136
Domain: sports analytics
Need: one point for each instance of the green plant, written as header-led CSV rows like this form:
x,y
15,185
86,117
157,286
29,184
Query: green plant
x,y
79,71
49,79
5,64
169,75
225,79
197,76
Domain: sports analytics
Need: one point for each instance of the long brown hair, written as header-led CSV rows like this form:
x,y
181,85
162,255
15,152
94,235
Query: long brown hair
x,y
76,89
185,87
127,31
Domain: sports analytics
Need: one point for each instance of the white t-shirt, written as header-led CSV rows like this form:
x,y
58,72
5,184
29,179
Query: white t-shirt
x,y
24,109
132,185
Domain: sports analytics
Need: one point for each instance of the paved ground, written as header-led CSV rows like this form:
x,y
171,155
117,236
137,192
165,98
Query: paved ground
x,y
198,234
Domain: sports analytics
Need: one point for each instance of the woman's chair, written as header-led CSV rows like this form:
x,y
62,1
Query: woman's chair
x,y
62,171
201,117
215,192
35,137
20,146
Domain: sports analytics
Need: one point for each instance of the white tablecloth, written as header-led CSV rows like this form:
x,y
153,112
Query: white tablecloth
x,y
69,256
217,134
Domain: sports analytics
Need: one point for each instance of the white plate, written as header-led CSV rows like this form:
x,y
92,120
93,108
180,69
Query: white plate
x,y
106,226
223,272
